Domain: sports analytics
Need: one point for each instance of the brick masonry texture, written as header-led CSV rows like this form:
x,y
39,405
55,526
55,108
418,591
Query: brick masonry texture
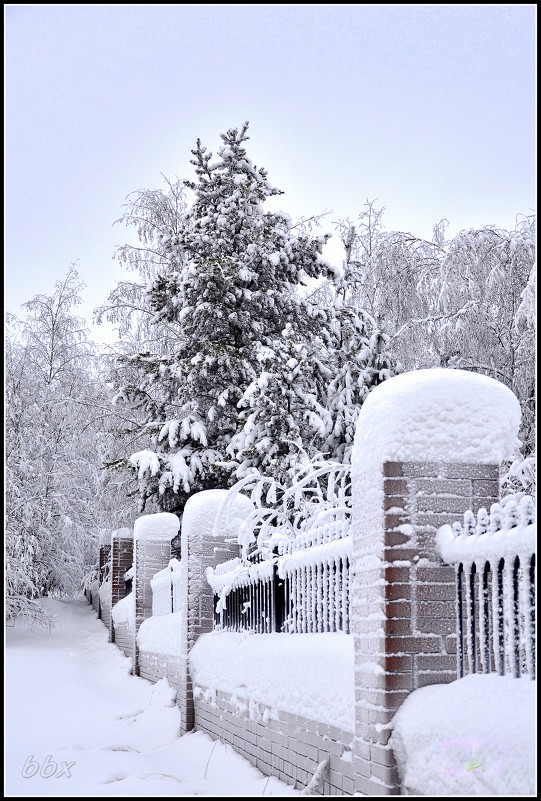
x,y
290,748
103,610
121,560
158,666
417,605
198,553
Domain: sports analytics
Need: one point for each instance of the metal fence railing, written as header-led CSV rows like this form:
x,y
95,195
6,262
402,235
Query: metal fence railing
x,y
298,587
494,557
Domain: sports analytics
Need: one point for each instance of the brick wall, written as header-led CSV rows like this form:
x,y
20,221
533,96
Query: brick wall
x,y
104,554
105,615
96,597
121,560
157,666
404,598
290,748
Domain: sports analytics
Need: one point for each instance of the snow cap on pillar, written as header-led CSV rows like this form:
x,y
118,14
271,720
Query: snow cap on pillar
x,y
215,512
161,526
438,415
122,534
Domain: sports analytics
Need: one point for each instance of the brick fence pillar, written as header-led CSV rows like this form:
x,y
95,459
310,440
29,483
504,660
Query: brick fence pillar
x,y
428,447
104,555
200,550
121,560
152,535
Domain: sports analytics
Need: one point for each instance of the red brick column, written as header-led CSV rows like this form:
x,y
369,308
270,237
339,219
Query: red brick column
x,y
427,448
105,552
121,560
406,637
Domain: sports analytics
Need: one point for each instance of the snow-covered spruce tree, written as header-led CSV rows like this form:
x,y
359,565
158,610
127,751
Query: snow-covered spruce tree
x,y
359,358
229,288
283,423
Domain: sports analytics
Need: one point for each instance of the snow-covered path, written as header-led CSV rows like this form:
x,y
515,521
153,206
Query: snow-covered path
x,y
70,700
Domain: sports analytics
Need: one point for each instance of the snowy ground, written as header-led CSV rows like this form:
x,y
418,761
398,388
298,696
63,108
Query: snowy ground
x,y
71,701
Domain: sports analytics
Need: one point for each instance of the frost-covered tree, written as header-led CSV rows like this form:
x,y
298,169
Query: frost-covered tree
x,y
483,281
390,275
56,436
455,302
133,364
228,288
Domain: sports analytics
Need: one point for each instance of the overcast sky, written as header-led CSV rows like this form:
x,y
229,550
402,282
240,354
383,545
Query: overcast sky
x,y
428,108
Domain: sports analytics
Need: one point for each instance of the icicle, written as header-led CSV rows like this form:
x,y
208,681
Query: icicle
x,y
525,618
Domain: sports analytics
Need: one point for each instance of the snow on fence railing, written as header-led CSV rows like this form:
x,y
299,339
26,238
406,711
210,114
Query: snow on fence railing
x,y
294,570
166,589
318,492
296,587
494,556
318,581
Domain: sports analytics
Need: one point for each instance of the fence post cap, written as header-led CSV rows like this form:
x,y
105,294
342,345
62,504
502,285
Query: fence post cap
x,y
438,415
215,513
122,534
160,526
